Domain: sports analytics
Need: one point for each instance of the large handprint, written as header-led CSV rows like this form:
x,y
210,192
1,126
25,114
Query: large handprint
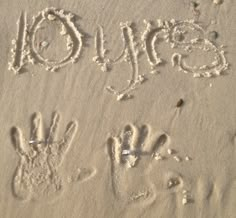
x,y
36,176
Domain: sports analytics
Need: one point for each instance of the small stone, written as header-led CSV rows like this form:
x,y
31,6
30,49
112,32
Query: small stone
x,y
154,72
177,158
31,142
51,17
170,184
213,35
158,156
170,151
173,182
44,44
104,68
141,78
126,152
180,103
184,201
159,61
187,158
217,2
196,75
121,97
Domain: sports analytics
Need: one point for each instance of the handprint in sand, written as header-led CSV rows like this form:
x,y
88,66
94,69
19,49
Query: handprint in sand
x,y
36,176
139,166
131,155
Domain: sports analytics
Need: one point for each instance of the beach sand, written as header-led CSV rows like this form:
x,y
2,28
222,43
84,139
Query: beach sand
x,y
117,109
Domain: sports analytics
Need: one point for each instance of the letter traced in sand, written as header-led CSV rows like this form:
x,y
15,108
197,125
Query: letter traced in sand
x,y
19,52
36,176
24,49
129,54
218,65
150,37
133,151
174,33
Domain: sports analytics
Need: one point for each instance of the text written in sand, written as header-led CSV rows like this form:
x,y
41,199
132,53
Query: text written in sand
x,y
187,36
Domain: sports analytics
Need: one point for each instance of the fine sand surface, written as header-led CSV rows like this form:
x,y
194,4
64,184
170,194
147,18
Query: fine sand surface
x,y
118,109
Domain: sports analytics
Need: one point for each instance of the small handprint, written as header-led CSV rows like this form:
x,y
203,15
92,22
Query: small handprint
x,y
36,176
131,153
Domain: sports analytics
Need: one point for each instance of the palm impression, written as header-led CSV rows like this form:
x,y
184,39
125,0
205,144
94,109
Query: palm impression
x,y
129,152
36,175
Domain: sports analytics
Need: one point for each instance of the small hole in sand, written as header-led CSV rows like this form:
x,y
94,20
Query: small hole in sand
x,y
213,35
194,4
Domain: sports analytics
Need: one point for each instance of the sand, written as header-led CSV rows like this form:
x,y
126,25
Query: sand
x,y
118,109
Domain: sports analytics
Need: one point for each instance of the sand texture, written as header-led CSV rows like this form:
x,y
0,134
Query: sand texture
x,y
118,109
